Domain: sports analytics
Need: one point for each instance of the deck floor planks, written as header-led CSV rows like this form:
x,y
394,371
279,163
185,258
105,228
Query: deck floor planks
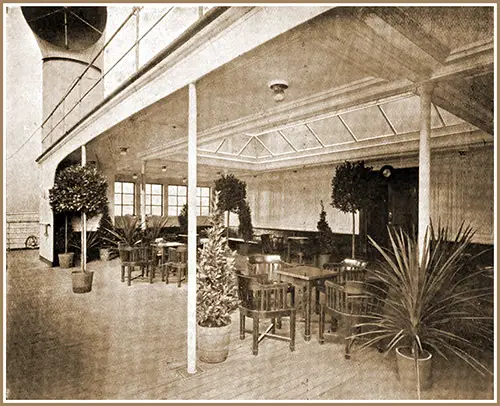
x,y
121,342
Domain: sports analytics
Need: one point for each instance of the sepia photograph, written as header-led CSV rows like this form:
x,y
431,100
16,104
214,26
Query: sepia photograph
x,y
249,202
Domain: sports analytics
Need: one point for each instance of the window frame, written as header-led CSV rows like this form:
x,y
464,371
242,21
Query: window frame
x,y
199,197
149,207
121,205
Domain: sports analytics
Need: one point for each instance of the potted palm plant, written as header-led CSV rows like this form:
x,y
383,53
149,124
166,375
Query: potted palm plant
x,y
429,304
104,244
79,189
325,238
217,295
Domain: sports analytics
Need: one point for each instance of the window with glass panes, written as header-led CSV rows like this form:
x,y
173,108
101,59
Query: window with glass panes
x,y
203,201
177,198
154,199
124,198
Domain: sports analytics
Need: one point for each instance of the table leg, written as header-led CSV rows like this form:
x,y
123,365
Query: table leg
x,y
307,299
288,257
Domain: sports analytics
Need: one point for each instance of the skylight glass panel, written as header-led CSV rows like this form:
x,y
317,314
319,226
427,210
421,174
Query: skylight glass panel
x,y
331,131
276,143
367,123
301,137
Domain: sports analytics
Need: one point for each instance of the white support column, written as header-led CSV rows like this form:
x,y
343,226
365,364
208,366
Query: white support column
x,y
137,36
84,219
424,165
143,195
191,300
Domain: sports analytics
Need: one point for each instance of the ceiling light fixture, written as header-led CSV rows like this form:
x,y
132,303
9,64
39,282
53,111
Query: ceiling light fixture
x,y
164,168
134,176
123,150
184,180
278,86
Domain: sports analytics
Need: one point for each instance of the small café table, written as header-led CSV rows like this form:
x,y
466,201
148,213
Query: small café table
x,y
298,240
305,278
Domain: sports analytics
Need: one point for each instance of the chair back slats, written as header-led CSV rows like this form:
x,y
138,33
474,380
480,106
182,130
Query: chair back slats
x,y
255,295
265,265
139,254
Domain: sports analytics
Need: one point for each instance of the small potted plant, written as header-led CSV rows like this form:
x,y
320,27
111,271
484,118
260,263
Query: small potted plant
x,y
79,189
429,304
104,236
217,295
325,238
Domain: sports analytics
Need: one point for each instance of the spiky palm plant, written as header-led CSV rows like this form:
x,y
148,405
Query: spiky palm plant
x,y
428,299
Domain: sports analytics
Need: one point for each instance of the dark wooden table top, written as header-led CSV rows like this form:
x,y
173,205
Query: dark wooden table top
x,y
306,272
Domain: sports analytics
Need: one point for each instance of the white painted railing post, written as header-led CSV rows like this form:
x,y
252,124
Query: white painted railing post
x,y
191,299
84,218
424,166
143,195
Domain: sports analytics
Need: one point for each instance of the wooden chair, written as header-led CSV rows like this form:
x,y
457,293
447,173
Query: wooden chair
x,y
267,245
264,267
353,302
264,301
140,258
348,270
177,264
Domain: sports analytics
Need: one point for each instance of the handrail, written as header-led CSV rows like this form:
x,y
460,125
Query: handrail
x,y
192,30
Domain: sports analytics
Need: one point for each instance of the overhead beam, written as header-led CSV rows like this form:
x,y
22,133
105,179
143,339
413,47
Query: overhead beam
x,y
398,20
451,98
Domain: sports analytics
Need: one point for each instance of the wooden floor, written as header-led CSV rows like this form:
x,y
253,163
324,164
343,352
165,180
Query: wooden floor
x,y
129,343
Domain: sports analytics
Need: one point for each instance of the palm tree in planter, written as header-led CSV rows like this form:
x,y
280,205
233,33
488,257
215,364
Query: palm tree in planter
x,y
79,189
217,295
428,305
354,187
325,238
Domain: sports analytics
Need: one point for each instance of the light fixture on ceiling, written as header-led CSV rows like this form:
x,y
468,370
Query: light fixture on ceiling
x,y
278,86
184,181
123,151
164,168
134,176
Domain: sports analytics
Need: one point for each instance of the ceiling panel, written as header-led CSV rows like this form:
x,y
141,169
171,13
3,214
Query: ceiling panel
x,y
468,24
233,145
367,123
276,143
448,118
404,115
331,131
254,149
301,137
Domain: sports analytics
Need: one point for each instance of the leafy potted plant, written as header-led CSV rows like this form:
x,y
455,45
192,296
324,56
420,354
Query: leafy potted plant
x,y
245,228
429,304
183,221
79,189
104,243
217,295
61,242
325,238
354,187
232,195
